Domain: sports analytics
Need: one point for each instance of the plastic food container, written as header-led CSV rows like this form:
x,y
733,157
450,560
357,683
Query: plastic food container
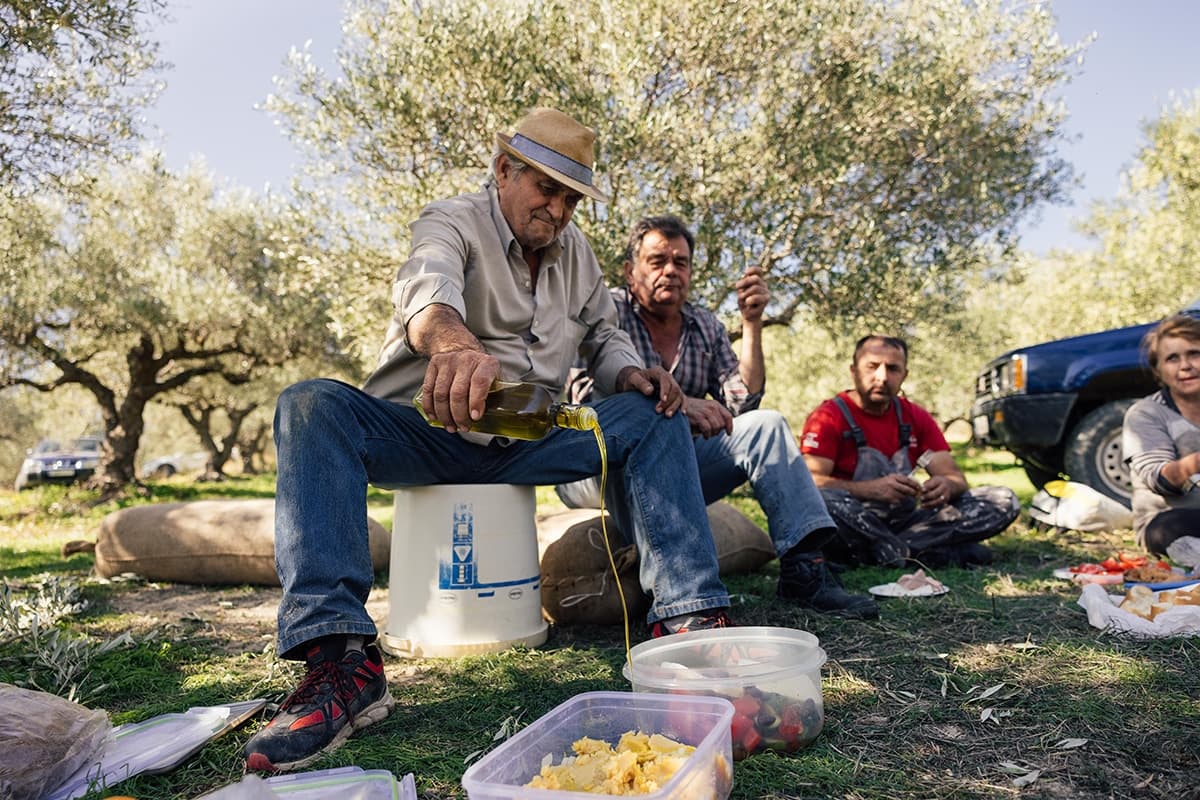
x,y
702,722
772,676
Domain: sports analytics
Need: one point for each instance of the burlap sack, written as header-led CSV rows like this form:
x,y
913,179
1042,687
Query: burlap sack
x,y
577,584
203,542
742,546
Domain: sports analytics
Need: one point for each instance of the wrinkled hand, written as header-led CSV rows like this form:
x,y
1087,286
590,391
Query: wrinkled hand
x,y
890,488
752,294
651,381
707,417
456,387
935,492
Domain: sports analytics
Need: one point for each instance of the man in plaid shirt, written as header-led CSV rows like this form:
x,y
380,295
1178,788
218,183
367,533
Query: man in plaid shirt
x,y
735,440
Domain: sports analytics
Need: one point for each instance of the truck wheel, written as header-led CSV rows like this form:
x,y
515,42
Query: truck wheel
x,y
1093,451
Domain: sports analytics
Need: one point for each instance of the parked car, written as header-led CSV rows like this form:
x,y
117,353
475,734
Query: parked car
x,y
175,463
1059,406
54,461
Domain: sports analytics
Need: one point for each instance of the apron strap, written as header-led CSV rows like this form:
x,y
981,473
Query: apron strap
x,y
855,432
905,428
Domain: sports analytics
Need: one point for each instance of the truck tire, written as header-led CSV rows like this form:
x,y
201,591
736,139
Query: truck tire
x,y
1093,451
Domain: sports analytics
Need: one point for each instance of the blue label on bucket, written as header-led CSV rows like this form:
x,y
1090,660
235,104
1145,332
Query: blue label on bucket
x,y
462,571
462,574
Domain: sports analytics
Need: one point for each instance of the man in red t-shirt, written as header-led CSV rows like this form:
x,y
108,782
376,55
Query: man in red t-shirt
x,y
865,448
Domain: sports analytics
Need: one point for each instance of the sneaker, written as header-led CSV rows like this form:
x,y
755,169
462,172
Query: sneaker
x,y
702,621
338,696
1185,551
805,579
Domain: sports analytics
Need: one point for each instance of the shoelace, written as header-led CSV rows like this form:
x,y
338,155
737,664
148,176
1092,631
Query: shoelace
x,y
697,622
325,673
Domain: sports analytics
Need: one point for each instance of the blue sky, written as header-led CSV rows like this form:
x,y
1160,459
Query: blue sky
x,y
225,53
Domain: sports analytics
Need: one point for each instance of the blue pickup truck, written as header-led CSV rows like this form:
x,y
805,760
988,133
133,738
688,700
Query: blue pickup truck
x,y
1058,406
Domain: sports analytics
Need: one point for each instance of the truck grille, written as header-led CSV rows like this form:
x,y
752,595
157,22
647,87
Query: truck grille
x,y
1002,378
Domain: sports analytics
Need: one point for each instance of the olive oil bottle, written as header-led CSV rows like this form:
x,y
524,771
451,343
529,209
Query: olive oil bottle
x,y
522,411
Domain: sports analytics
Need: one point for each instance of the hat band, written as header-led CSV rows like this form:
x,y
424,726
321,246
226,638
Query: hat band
x,y
551,158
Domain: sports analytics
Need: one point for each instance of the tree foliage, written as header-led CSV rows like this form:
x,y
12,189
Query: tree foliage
x,y
152,281
1142,268
73,77
869,155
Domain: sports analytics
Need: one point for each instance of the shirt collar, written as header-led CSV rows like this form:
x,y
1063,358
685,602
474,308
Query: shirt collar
x,y
552,251
689,315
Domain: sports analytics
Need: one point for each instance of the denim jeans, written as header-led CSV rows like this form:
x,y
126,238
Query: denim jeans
x,y
760,450
332,440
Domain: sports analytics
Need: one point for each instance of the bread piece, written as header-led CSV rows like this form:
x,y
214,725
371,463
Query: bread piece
x,y
1187,597
1138,600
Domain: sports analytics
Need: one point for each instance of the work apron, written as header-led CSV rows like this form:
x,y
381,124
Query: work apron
x,y
873,530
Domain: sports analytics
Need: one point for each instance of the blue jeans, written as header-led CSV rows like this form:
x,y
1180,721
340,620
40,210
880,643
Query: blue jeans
x,y
761,450
332,440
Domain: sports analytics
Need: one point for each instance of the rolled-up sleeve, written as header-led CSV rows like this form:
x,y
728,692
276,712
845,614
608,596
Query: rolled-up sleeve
x,y
729,388
434,271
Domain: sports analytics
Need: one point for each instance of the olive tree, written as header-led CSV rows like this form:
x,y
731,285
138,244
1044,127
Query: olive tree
x,y
867,155
74,75
238,418
151,281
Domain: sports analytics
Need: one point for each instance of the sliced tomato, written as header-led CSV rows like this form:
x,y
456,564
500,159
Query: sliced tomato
x,y
747,705
741,727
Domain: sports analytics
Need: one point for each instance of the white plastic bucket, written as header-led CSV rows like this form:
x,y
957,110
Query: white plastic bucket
x,y
464,571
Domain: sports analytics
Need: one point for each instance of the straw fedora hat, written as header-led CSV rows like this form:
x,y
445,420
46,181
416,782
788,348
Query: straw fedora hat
x,y
559,146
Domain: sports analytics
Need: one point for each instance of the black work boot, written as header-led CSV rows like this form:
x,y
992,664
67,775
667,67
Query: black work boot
x,y
805,579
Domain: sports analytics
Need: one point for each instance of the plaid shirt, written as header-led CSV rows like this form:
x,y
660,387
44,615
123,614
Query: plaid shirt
x,y
705,364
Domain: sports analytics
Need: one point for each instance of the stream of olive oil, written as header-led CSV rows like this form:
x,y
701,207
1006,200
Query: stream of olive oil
x,y
595,426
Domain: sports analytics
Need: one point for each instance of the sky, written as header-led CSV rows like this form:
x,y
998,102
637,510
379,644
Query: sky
x,y
225,53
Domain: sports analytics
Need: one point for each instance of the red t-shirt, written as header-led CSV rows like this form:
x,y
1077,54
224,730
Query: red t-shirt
x,y
824,428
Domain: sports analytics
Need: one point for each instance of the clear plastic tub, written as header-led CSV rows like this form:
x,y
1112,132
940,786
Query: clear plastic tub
x,y
702,722
771,675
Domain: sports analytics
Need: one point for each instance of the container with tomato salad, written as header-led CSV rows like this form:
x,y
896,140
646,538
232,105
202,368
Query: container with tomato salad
x,y
772,677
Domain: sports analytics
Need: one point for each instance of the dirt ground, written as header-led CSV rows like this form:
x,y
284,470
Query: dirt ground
x,y
236,619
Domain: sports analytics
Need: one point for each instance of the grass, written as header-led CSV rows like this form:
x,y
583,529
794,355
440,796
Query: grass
x,y
1002,679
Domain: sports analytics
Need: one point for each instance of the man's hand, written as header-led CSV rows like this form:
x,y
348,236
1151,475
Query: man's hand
x,y
752,294
889,489
456,387
651,381
937,491
707,417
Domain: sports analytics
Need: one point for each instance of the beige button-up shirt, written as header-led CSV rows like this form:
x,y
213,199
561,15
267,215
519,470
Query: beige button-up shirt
x,y
464,256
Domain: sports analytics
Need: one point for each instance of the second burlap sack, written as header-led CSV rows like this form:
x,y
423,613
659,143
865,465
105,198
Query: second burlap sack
x,y
577,582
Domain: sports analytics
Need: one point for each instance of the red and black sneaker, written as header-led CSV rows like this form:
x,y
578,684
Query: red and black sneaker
x,y
701,621
337,697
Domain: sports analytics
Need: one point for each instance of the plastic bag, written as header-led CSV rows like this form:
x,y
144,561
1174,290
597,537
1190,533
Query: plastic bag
x,y
44,739
1103,613
1078,507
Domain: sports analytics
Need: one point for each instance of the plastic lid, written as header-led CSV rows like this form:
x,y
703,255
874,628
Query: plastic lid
x,y
346,783
155,745
713,659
